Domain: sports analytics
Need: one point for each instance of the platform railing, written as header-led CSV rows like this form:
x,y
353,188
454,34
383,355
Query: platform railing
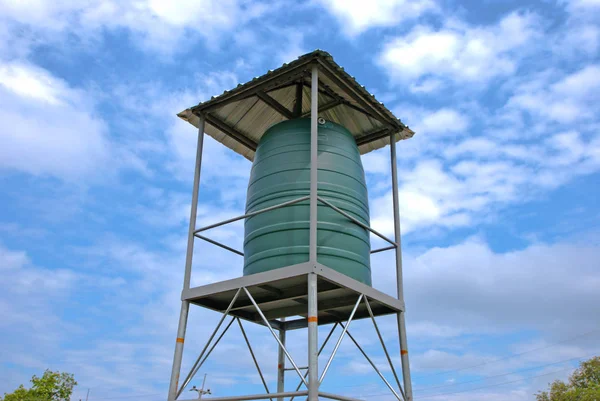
x,y
393,245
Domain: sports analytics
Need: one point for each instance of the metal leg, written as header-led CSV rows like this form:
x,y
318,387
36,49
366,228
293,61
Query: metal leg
x,y
266,322
254,358
313,340
374,366
194,367
281,364
319,353
313,325
384,347
400,317
314,159
183,316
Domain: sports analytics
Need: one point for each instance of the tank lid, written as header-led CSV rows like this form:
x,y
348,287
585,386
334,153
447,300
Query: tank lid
x,y
238,118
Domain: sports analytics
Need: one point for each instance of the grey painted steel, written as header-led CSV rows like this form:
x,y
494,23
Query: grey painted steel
x,y
313,310
183,314
374,366
387,248
212,241
248,281
190,375
400,284
177,358
387,355
262,378
339,342
275,335
281,369
292,272
319,353
338,397
267,209
256,396
230,131
314,160
358,98
275,105
313,339
366,227
358,287
212,348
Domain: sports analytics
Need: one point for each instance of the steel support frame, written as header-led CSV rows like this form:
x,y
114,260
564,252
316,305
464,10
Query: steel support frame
x,y
311,378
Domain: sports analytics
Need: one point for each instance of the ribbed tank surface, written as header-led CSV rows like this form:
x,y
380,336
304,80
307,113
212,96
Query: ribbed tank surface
x,y
281,173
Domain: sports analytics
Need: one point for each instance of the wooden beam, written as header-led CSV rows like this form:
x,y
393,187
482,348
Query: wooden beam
x,y
275,105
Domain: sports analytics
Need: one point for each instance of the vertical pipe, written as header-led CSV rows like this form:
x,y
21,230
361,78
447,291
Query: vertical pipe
x,y
313,325
314,155
281,363
185,305
313,339
400,316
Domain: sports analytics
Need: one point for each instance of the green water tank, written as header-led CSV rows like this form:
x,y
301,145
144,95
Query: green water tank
x,y
281,173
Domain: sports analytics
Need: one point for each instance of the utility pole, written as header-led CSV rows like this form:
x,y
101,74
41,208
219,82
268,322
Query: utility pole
x,y
201,391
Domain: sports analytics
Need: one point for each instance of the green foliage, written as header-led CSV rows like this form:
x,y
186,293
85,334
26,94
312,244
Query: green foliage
x,y
583,385
52,386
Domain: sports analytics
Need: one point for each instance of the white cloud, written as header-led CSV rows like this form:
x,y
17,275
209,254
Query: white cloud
x,y
357,16
458,51
567,100
443,121
12,259
156,24
48,128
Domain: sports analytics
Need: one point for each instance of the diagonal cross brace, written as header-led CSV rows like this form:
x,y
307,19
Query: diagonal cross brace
x,y
287,354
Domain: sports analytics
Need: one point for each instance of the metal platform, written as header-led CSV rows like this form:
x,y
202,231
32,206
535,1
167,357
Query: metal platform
x,y
283,293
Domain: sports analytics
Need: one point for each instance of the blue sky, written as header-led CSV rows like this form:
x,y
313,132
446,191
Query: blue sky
x,y
499,187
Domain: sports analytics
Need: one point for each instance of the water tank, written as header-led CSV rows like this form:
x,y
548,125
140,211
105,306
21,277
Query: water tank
x,y
280,173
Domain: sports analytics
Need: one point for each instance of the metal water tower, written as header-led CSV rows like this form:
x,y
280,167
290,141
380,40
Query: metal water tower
x,y
306,248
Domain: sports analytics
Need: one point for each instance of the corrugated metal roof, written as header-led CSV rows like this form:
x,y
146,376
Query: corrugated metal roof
x,y
239,117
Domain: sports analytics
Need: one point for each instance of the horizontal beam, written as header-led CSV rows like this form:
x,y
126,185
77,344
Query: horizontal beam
x,y
323,305
212,241
387,248
325,107
256,396
245,216
195,294
337,397
297,294
355,220
275,105
359,98
373,136
230,131
249,89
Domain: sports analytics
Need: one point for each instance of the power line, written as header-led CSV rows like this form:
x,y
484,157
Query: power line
x,y
511,356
